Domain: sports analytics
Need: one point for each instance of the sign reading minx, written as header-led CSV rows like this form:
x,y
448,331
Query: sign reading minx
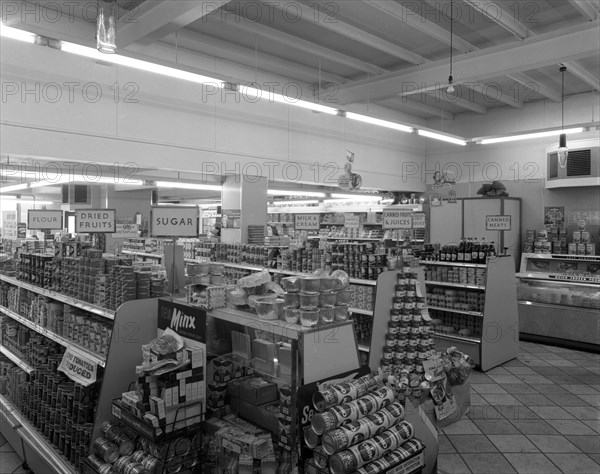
x,y
187,321
43,219
174,222
497,222
95,220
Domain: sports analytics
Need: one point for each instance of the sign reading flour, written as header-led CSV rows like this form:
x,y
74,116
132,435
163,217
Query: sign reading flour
x,y
43,219
174,222
95,220
497,222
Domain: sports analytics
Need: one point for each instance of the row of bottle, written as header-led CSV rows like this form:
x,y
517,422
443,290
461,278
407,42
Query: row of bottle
x,y
468,251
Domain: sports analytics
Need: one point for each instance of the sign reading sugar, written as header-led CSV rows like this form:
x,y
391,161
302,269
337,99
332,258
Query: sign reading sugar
x,y
174,222
306,222
95,220
43,219
497,222
395,219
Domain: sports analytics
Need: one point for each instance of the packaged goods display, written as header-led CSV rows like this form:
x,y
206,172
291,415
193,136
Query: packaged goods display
x,y
469,250
463,300
458,274
363,327
457,324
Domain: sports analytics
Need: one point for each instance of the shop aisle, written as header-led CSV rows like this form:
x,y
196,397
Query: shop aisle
x,y
10,463
536,414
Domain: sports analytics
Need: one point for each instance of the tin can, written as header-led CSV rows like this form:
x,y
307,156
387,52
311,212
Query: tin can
x,y
320,457
96,462
343,463
174,464
135,468
110,430
122,464
105,450
344,392
124,444
139,456
311,438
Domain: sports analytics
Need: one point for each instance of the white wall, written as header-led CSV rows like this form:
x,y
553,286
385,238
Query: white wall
x,y
175,125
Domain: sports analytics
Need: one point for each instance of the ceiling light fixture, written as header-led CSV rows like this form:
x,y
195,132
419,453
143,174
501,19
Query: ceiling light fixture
x,y
444,138
16,34
356,197
178,185
381,123
528,136
106,28
15,199
253,93
563,151
284,192
291,202
14,187
450,89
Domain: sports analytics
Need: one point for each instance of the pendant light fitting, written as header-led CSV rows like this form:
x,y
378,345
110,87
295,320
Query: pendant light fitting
x,y
563,151
450,89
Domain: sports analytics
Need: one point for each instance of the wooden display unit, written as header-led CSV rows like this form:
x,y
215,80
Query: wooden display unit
x,y
498,341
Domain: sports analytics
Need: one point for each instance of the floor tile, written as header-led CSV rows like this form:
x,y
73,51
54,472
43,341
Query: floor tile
x,y
6,448
579,370
593,400
537,426
483,388
503,378
548,370
575,463
588,444
533,399
516,412
521,370
553,444
536,363
477,399
553,412
592,380
488,463
568,400
595,457
512,363
500,398
545,389
581,389
2,440
445,446
521,387
498,371
462,426
513,443
562,379
9,461
500,426
472,444
476,377
571,427
548,355
452,464
561,363
593,424
484,412
584,413
539,379
531,463
20,470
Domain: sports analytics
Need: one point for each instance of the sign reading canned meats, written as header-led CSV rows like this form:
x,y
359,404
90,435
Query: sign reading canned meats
x,y
42,219
497,222
95,220
78,367
174,222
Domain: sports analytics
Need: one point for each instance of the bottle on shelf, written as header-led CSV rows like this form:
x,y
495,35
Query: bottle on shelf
x,y
468,250
483,249
443,254
461,251
454,253
475,251
491,251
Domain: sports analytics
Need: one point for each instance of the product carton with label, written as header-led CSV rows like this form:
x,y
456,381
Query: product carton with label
x,y
573,248
590,249
257,391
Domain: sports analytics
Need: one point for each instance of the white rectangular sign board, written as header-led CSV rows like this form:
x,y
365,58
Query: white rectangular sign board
x,y
396,219
95,221
43,219
306,222
174,222
497,222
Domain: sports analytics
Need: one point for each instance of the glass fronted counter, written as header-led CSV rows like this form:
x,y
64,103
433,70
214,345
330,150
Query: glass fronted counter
x,y
559,299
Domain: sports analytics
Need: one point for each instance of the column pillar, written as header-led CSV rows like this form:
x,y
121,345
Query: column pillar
x,y
248,196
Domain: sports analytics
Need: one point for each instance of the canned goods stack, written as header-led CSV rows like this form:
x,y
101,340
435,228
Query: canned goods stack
x,y
363,327
408,342
359,428
359,260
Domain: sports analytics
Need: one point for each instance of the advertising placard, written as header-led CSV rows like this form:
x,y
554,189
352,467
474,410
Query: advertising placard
x,y
78,367
419,221
497,222
174,222
44,219
230,218
397,219
95,221
306,222
126,230
21,230
9,225
352,222
187,321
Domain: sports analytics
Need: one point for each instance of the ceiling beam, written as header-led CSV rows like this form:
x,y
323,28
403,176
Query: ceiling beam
x,y
548,92
587,8
540,51
291,41
158,18
582,73
494,94
349,31
494,12
412,107
414,20
441,95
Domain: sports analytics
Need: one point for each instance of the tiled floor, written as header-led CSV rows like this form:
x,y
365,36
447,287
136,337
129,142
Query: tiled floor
x,y
538,414
10,463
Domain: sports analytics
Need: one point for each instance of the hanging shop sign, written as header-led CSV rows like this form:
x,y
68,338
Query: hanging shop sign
x,y
497,222
174,222
187,321
396,219
44,219
351,222
126,230
9,225
419,221
306,222
231,218
78,367
95,221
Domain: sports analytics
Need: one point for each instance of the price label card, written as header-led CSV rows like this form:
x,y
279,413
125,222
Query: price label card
x,y
126,230
78,367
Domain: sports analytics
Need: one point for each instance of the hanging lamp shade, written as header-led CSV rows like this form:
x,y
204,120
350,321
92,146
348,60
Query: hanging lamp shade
x,y
563,151
106,27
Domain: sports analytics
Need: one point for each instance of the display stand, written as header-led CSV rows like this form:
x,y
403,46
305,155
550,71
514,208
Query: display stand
x,y
499,339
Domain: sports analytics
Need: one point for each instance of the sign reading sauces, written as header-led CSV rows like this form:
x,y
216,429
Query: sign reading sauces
x,y
174,222
95,220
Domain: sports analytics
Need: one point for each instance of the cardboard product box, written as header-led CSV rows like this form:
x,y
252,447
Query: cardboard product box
x,y
268,417
257,391
233,388
577,237
234,404
573,249
285,361
248,411
581,249
263,353
590,249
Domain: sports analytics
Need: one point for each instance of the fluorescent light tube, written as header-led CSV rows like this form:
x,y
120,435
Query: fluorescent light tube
x,y
356,197
444,138
14,187
381,123
175,184
14,33
254,93
284,192
295,203
13,199
527,136
139,64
